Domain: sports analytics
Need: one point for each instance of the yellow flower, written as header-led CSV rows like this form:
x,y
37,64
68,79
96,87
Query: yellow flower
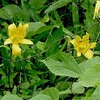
x,y
82,46
16,36
97,9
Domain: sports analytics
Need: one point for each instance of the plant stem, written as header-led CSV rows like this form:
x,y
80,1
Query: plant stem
x,y
65,43
9,70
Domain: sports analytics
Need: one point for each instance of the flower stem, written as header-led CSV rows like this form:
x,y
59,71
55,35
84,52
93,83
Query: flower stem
x,y
65,43
9,70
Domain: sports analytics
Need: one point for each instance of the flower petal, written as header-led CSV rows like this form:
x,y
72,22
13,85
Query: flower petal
x,y
78,38
12,30
88,47
78,54
8,41
16,50
92,45
88,54
97,9
21,30
85,38
72,41
25,41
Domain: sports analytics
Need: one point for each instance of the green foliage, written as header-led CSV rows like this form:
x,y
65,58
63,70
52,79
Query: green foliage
x,y
52,92
77,88
11,97
62,64
57,4
41,97
56,38
89,77
95,95
49,69
37,5
75,16
9,12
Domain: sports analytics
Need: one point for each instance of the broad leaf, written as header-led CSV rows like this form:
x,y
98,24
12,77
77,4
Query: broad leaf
x,y
11,11
89,63
41,97
77,88
62,64
52,92
91,77
11,97
37,27
96,94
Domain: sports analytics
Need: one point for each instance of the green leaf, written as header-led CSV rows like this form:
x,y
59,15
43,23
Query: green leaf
x,y
41,97
40,82
63,85
10,97
37,4
77,88
91,77
25,85
62,64
52,43
2,72
36,28
78,98
5,55
89,92
40,45
44,28
52,92
47,94
96,94
75,17
89,63
45,18
57,4
11,11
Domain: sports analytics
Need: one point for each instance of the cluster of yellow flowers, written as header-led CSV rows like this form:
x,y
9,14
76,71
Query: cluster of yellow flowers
x,y
17,35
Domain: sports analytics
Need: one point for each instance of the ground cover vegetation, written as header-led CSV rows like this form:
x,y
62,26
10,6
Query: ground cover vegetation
x,y
49,50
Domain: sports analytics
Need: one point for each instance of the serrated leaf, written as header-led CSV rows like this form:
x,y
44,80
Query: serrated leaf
x,y
62,64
